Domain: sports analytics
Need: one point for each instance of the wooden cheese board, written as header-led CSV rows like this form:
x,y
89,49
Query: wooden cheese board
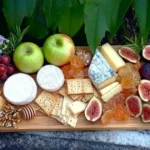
x,y
43,123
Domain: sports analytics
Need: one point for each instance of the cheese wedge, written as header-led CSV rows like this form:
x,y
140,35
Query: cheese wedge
x,y
108,88
111,93
77,107
113,58
100,72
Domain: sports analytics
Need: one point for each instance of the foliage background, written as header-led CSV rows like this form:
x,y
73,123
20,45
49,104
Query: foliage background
x,y
88,22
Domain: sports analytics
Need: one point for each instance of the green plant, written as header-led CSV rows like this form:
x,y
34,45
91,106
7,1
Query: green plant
x,y
98,17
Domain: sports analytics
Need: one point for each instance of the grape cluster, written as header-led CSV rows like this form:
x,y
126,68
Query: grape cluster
x,y
6,69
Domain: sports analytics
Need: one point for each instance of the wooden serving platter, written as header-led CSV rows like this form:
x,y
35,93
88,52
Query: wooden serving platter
x,y
43,123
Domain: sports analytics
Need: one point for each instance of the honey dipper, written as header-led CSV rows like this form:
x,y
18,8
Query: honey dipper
x,y
29,112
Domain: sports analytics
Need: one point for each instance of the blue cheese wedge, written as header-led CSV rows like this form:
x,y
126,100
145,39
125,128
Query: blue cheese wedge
x,y
20,89
100,72
50,78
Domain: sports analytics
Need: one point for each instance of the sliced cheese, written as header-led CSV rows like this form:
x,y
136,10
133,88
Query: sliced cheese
x,y
50,78
113,58
66,102
108,88
20,89
77,107
111,93
100,72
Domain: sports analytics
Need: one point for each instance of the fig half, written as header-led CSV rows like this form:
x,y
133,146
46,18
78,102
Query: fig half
x,y
144,90
146,52
128,54
93,110
134,105
146,113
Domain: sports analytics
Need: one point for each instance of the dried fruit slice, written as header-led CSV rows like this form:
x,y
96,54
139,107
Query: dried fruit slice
x,y
93,110
145,71
128,54
144,90
121,112
146,52
134,105
107,116
146,113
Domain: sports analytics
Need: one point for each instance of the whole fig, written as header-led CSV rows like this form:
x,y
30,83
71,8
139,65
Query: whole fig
x,y
145,71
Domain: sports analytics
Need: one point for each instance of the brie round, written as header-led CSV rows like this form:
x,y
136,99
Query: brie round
x,y
50,78
20,89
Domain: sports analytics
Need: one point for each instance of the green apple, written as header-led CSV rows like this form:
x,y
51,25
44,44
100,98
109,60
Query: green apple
x,y
58,48
28,57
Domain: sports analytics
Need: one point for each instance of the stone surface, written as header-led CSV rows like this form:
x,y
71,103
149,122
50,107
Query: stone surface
x,y
106,140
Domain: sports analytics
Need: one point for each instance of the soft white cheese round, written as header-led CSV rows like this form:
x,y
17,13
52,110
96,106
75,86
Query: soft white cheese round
x,y
20,89
50,78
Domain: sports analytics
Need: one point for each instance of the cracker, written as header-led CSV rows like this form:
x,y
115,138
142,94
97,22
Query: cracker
x,y
56,108
46,101
95,93
80,98
74,86
87,86
75,96
88,97
63,91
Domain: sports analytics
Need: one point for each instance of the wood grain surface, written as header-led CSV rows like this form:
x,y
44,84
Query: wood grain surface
x,y
43,123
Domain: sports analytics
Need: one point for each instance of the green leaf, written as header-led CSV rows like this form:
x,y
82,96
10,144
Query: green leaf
x,y
142,10
82,1
16,10
71,20
97,20
37,23
117,17
53,9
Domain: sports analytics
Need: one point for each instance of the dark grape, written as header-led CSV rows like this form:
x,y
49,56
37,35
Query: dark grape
x,y
5,59
3,77
10,69
3,69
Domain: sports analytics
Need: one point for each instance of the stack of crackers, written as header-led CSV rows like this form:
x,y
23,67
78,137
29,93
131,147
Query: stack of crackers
x,y
69,102
78,89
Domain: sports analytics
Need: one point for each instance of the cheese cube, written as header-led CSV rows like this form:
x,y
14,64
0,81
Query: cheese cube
x,y
113,58
77,107
111,93
100,72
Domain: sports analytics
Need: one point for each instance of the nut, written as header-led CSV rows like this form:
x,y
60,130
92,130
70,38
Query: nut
x,y
10,116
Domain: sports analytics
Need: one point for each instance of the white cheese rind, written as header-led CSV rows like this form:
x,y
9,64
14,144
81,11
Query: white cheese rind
x,y
50,78
100,71
20,89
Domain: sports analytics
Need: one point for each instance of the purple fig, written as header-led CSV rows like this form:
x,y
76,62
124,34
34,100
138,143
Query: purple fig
x,y
146,52
144,90
93,110
134,105
145,71
146,113
128,54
